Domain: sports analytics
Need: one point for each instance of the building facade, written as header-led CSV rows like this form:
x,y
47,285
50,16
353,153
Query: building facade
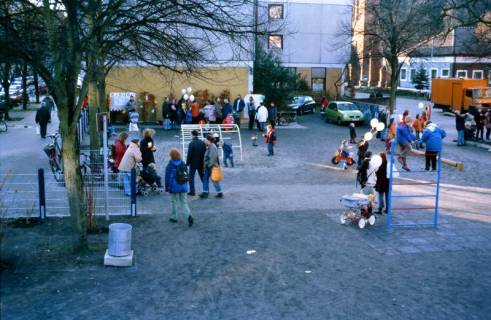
x,y
310,40
458,55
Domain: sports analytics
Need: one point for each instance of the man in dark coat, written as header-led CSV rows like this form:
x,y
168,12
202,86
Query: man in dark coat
x,y
195,160
239,105
272,113
460,126
43,117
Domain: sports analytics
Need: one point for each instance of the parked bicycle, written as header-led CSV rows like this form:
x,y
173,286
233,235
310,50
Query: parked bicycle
x,y
3,123
53,151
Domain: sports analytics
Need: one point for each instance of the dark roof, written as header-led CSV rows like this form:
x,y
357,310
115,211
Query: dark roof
x,y
465,44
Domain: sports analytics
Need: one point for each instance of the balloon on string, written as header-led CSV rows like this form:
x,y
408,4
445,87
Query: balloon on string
x,y
191,98
380,126
183,91
189,90
368,136
421,105
374,122
186,97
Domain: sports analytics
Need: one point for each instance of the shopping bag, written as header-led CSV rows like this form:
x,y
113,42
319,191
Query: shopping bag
x,y
38,130
216,174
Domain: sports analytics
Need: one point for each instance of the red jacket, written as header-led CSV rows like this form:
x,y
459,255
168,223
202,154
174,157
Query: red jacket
x,y
271,137
119,148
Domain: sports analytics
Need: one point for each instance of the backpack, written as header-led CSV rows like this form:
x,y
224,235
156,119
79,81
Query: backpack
x,y
182,175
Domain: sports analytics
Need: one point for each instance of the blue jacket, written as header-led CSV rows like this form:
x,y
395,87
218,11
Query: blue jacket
x,y
227,109
171,184
404,134
432,137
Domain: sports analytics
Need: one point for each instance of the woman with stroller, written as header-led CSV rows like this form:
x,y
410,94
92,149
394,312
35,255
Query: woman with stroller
x,y
131,157
176,183
147,147
118,150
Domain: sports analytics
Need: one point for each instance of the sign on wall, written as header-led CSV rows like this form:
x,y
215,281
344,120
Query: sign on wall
x,y
119,100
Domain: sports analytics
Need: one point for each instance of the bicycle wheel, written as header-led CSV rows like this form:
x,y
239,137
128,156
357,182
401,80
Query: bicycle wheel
x,y
3,126
57,172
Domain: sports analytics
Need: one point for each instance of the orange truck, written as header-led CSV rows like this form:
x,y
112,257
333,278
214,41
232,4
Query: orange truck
x,y
460,94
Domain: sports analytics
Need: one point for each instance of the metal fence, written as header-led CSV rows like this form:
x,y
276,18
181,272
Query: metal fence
x,y
40,195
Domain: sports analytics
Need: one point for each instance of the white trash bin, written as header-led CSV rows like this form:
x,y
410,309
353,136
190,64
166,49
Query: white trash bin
x,y
119,239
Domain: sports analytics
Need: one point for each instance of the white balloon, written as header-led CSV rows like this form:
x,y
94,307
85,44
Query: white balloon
x,y
380,126
189,90
421,105
373,122
183,91
186,97
368,136
191,97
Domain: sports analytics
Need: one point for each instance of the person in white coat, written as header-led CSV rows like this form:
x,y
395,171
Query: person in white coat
x,y
262,116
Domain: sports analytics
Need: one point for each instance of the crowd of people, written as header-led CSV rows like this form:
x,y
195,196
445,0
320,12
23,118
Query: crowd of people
x,y
202,158
471,125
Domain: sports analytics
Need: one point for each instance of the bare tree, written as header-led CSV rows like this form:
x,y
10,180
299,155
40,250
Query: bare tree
x,y
395,28
72,35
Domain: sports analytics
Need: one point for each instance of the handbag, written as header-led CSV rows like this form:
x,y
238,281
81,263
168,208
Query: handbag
x,y
216,174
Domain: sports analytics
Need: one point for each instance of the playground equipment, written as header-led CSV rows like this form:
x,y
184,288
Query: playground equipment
x,y
406,185
226,132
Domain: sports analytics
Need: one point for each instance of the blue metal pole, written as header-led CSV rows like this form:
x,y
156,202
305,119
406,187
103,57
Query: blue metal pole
x,y
42,194
437,188
389,203
133,192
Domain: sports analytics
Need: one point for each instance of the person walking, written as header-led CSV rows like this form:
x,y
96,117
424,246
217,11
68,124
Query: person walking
x,y
270,138
251,111
480,119
262,117
460,126
210,160
228,154
43,117
382,184
147,147
176,183
487,123
239,106
195,160
352,133
272,113
174,114
404,138
131,157
166,114
418,125
432,137
118,150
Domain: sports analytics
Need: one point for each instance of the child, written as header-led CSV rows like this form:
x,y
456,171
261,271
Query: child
x,y
228,154
134,118
345,147
352,133
270,138
150,176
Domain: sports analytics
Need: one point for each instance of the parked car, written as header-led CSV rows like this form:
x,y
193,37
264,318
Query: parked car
x,y
343,112
302,104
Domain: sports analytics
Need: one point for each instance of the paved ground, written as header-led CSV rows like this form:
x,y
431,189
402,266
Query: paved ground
x,y
305,265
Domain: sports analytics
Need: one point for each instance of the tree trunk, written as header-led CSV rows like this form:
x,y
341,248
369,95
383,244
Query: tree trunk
x,y
36,86
25,96
93,110
394,77
74,186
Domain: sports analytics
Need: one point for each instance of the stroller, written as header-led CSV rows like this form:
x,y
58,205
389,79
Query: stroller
x,y
359,209
148,181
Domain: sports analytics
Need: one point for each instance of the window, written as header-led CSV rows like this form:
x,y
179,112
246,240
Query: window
x,y
445,72
461,74
468,93
489,78
275,11
275,41
403,74
292,70
412,74
318,79
332,106
434,73
477,74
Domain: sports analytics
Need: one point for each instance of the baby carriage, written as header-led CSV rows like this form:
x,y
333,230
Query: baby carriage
x,y
148,181
359,209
